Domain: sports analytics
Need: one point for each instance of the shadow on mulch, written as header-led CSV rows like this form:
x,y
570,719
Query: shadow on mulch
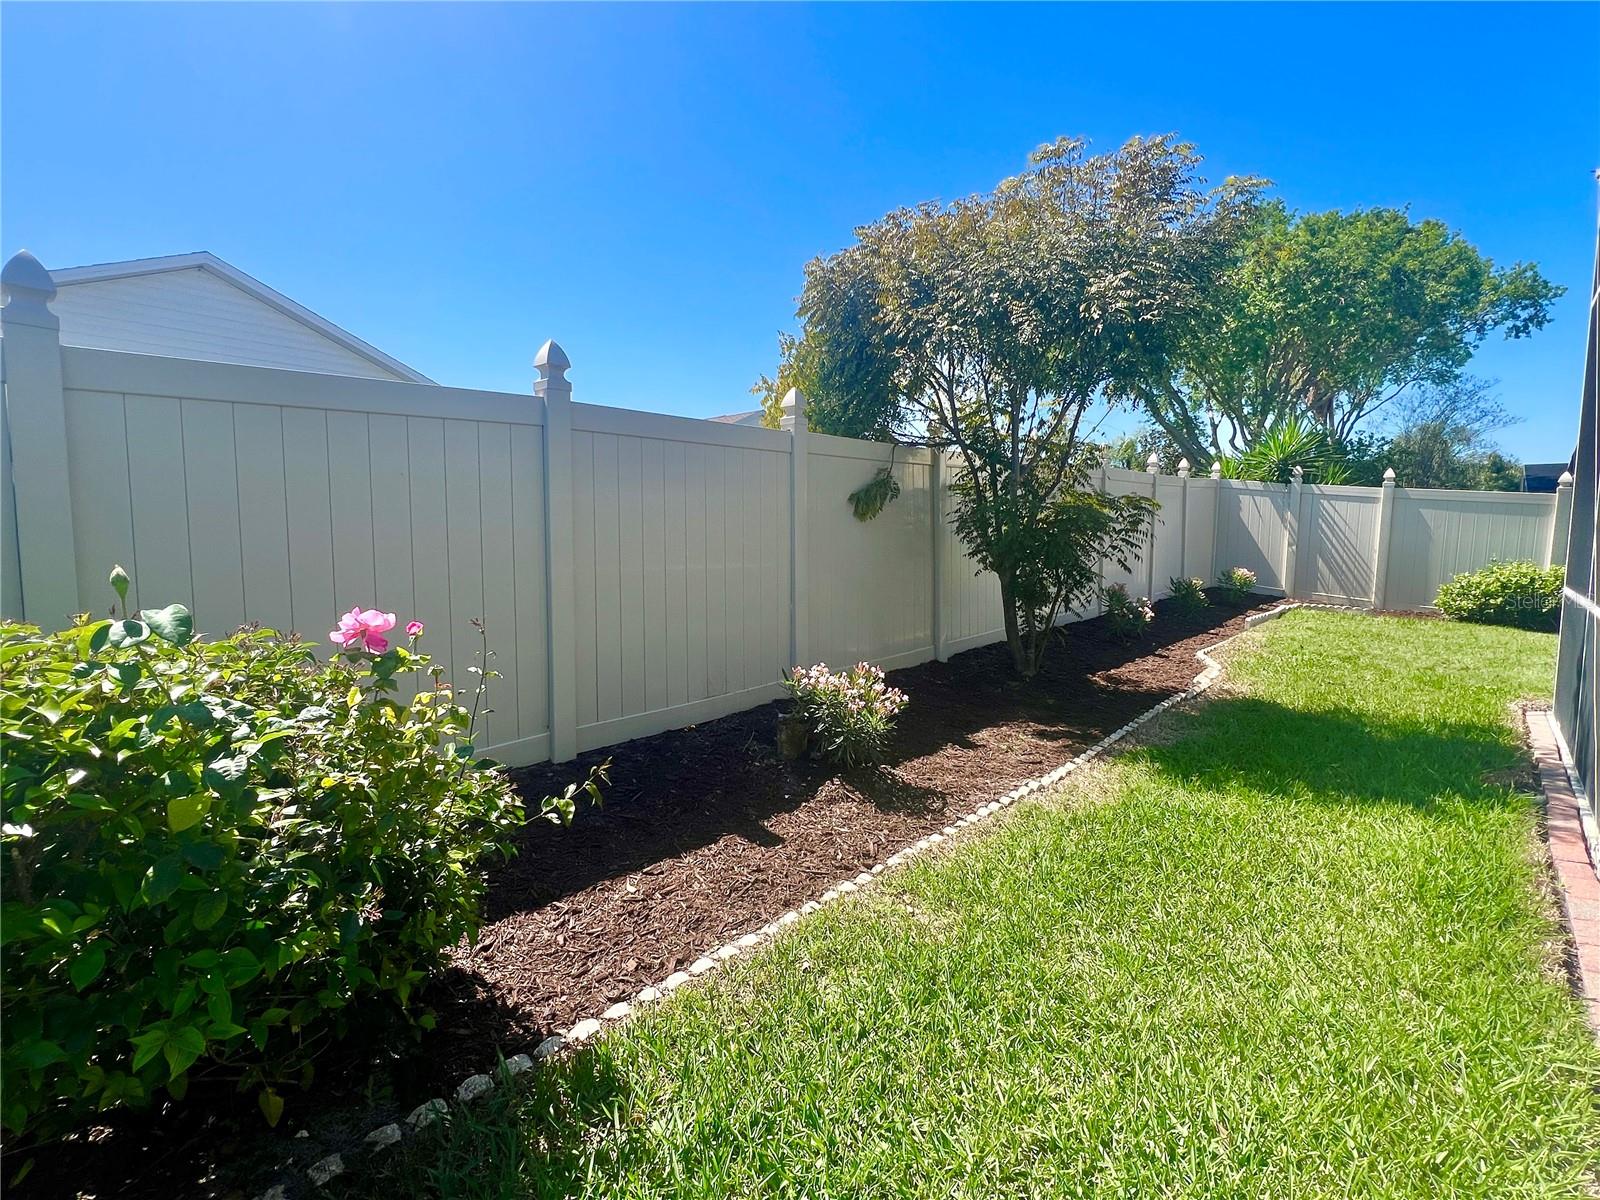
x,y
705,833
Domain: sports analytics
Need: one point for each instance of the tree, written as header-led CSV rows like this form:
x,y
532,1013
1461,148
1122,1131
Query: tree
x,y
991,325
1335,315
1441,439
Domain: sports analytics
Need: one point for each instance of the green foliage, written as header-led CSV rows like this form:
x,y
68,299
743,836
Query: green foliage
x,y
1126,616
1332,315
1188,596
1237,583
872,497
1520,594
849,715
991,326
1441,439
1292,442
217,854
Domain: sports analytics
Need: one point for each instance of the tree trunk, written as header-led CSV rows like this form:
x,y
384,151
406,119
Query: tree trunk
x,y
1021,658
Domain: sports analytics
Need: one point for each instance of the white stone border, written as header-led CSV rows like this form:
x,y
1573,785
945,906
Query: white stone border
x,y
475,1086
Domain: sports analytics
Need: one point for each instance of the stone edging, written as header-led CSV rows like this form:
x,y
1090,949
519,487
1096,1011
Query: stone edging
x,y
475,1086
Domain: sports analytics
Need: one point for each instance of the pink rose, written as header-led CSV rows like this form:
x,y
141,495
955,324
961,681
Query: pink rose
x,y
414,629
363,629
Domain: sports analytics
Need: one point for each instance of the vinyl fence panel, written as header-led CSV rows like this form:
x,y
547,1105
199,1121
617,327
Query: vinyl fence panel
x,y
632,572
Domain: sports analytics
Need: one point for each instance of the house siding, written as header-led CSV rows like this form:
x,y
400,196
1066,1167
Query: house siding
x,y
194,314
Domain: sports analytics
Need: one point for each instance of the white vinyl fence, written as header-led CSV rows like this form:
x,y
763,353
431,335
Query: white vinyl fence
x,y
636,572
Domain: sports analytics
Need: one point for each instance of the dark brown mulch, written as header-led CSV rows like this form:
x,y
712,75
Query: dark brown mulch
x,y
706,833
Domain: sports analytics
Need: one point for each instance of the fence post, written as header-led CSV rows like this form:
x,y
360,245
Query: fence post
x,y
1560,523
941,636
794,420
1152,466
36,413
556,393
1216,519
1380,552
1184,471
1291,530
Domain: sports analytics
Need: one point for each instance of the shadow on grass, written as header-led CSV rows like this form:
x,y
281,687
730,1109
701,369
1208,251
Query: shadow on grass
x,y
1343,756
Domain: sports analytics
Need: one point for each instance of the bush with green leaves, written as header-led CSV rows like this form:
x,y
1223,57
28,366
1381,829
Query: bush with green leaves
x,y
1521,594
1188,595
1237,583
217,856
1126,615
848,715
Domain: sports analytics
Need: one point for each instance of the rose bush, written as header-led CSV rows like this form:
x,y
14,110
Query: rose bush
x,y
216,854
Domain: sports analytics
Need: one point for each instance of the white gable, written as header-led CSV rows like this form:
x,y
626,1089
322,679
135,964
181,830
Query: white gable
x,y
192,313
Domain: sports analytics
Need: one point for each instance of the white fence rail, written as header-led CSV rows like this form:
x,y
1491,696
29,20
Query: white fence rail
x,y
636,572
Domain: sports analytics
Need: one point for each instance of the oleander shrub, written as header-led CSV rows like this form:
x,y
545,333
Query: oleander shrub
x,y
1237,583
848,716
1188,596
1126,615
218,855
1521,594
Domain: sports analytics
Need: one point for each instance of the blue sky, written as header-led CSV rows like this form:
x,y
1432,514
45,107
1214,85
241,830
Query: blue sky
x,y
645,184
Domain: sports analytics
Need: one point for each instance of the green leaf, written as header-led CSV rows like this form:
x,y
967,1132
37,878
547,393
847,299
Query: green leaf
x,y
86,968
184,812
40,1054
208,909
148,1045
239,966
174,623
207,856
164,878
182,1048
271,1105
128,633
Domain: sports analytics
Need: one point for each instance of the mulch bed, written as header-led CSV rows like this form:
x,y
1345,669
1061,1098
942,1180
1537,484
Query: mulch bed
x,y
706,833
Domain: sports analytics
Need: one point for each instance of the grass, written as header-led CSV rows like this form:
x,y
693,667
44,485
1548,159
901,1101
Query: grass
x,y
1298,949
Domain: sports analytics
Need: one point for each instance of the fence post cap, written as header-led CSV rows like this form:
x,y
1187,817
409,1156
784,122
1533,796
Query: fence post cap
x,y
551,360
1184,468
792,410
25,273
1388,475
1216,470
1565,480
1297,473
1153,463
28,291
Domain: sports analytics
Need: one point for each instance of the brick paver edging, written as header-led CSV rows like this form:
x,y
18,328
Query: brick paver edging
x,y
474,1086
1573,848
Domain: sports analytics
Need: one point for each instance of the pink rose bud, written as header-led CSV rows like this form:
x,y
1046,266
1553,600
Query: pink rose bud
x,y
414,629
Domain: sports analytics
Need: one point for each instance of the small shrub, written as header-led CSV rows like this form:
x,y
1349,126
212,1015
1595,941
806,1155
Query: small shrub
x,y
217,855
1126,616
1188,595
1237,583
848,717
1505,593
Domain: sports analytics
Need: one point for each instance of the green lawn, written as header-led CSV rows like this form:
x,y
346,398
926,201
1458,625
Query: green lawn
x,y
1297,950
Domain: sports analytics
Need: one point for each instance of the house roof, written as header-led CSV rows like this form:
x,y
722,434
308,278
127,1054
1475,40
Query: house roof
x,y
204,260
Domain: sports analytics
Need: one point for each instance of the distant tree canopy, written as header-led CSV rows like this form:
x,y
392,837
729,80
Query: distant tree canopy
x,y
1334,316
1322,317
